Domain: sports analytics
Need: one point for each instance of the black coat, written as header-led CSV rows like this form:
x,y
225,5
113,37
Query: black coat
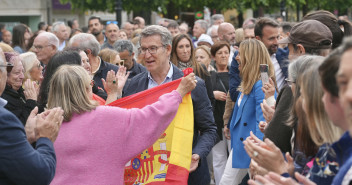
x,y
17,103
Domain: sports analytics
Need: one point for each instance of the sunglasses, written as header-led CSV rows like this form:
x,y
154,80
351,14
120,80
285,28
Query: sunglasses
x,y
121,63
111,22
8,67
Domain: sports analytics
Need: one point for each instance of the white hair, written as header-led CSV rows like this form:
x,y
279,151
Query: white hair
x,y
52,39
86,41
56,25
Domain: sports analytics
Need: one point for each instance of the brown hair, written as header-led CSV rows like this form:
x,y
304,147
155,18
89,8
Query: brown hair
x,y
198,69
217,46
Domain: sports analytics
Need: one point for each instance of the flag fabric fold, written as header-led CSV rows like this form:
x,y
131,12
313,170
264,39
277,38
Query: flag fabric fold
x,y
168,160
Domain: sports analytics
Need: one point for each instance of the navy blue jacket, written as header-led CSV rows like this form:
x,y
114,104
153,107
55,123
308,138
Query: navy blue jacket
x,y
235,80
20,163
136,69
205,135
102,72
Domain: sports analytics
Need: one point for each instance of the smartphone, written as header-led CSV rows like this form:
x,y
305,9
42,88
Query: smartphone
x,y
264,68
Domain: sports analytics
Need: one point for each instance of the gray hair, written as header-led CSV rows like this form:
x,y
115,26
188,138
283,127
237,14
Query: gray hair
x,y
52,39
203,24
298,66
166,38
216,27
56,25
85,41
122,45
216,17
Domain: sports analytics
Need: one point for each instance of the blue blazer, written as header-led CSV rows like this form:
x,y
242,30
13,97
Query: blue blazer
x,y
245,118
20,163
205,136
235,79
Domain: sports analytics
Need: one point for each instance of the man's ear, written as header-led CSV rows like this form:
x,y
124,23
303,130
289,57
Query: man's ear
x,y
168,49
301,49
258,38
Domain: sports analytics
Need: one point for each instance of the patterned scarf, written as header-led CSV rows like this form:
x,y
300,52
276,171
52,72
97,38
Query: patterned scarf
x,y
184,65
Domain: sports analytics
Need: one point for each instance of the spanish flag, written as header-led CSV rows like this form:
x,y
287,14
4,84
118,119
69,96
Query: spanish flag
x,y
168,160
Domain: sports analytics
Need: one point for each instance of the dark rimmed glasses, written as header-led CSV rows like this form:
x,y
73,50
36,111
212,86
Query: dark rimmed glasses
x,y
151,50
8,67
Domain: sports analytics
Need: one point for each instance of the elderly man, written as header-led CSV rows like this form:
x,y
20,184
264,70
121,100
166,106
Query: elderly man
x,y
217,19
200,27
60,30
155,52
20,162
128,28
90,45
139,23
112,33
125,49
96,27
45,46
226,32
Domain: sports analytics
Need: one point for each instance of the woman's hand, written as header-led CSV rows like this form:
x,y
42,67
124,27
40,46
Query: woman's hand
x,y
187,84
111,83
255,169
275,179
122,77
266,154
262,126
219,95
227,132
269,89
30,92
268,112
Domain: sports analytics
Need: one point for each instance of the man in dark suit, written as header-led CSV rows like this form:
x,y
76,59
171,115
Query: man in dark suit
x,y
20,163
155,49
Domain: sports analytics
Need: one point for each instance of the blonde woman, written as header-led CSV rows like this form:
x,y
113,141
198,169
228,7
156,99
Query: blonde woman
x,y
95,142
111,56
33,70
247,112
202,56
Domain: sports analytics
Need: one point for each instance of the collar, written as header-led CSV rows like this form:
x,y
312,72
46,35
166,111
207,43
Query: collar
x,y
100,61
3,102
168,76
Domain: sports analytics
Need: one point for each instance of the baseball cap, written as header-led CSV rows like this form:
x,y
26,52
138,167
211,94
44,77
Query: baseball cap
x,y
311,34
205,38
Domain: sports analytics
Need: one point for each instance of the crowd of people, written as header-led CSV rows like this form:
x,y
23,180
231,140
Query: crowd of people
x,y
271,99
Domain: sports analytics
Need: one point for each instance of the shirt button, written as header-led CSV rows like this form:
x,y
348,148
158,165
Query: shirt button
x,y
241,139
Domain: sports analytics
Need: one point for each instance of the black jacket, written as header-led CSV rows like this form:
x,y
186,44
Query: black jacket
x,y
17,103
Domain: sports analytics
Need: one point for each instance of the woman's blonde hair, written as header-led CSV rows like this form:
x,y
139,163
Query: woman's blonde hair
x,y
253,53
6,48
108,55
321,129
28,60
69,88
206,49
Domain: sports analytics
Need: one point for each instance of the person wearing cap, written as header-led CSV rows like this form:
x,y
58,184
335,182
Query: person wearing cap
x,y
205,40
308,37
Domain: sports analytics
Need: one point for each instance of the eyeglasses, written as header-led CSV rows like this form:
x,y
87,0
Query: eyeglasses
x,y
40,47
8,67
289,82
151,50
111,22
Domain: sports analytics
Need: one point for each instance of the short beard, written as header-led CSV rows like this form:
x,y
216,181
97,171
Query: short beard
x,y
96,33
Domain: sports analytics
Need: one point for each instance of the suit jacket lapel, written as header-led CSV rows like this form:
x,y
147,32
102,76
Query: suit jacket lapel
x,y
240,109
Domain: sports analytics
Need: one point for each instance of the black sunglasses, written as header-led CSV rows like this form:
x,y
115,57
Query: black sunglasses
x,y
8,67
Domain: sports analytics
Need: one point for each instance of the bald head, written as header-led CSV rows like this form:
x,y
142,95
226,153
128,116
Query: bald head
x,y
226,32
